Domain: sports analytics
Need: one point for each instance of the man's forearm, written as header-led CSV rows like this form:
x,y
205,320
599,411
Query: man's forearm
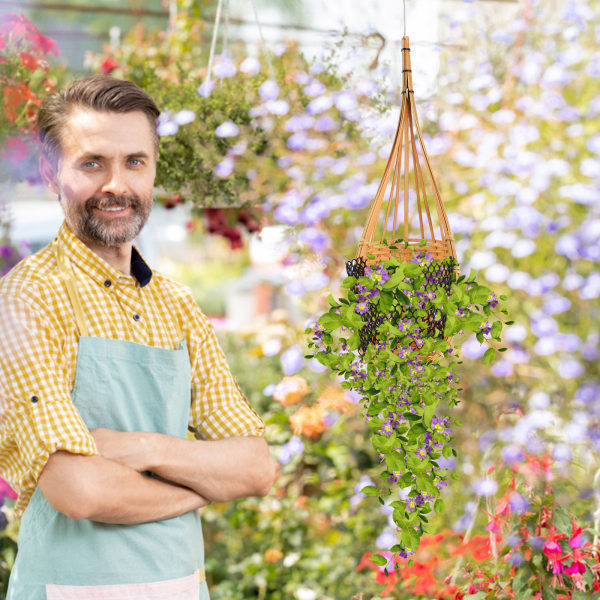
x,y
219,470
98,489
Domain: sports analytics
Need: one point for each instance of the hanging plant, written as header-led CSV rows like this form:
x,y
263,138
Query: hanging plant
x,y
390,336
390,339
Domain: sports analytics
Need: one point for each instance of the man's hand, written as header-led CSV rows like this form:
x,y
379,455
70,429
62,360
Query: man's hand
x,y
132,449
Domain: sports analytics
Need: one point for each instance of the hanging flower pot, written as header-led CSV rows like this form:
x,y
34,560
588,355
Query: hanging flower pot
x,y
389,337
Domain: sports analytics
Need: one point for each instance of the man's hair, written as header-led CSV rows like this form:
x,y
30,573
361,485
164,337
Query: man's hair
x,y
96,92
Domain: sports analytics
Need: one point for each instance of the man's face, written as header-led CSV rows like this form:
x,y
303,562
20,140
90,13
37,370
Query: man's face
x,y
105,175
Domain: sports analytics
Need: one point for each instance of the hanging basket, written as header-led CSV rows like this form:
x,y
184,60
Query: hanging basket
x,y
406,217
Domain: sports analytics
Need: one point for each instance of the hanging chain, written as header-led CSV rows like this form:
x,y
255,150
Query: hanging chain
x,y
404,6
262,41
213,43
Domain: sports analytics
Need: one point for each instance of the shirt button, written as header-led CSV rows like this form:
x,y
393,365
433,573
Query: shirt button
x,y
34,399
107,283
136,317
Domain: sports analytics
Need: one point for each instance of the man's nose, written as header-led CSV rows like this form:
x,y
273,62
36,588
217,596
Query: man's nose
x,y
115,182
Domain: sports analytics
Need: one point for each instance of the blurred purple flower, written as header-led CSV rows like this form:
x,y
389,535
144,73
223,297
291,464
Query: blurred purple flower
x,y
472,349
297,141
295,287
588,392
319,105
325,123
224,68
292,360
278,107
316,239
316,281
250,65
287,214
512,454
314,88
166,127
183,117
570,368
205,88
299,122
224,168
556,305
386,539
268,90
502,369
366,87
290,449
562,452
518,504
485,487
227,129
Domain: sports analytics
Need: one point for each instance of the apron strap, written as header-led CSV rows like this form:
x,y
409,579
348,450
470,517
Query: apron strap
x,y
68,276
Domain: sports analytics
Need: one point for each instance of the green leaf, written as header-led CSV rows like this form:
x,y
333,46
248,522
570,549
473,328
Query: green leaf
x,y
330,322
438,507
496,329
379,560
332,301
370,490
523,576
349,282
488,357
562,520
428,414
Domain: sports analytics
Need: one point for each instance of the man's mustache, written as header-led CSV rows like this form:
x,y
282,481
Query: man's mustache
x,y
112,202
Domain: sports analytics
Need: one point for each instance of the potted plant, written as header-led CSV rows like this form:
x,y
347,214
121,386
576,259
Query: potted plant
x,y
389,336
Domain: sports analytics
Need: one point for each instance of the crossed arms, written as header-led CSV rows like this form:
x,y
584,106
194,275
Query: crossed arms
x,y
112,487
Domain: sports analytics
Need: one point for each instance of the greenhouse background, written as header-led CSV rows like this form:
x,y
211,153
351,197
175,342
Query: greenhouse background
x,y
269,161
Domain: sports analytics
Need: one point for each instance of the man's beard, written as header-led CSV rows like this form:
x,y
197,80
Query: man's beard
x,y
114,231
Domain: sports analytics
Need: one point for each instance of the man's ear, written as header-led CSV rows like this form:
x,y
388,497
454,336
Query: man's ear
x,y
48,173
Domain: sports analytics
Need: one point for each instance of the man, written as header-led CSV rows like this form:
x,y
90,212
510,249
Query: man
x,y
104,366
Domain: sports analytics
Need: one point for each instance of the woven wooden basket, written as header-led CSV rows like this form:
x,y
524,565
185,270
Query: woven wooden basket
x,y
401,214
405,193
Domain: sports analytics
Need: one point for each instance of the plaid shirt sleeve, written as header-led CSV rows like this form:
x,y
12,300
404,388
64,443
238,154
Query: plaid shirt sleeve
x,y
38,417
219,408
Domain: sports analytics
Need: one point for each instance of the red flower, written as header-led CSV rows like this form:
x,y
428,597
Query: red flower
x,y
28,61
109,65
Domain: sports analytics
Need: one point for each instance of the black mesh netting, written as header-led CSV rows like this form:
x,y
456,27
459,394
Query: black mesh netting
x,y
436,274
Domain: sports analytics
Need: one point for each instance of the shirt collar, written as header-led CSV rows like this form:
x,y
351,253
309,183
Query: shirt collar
x,y
97,267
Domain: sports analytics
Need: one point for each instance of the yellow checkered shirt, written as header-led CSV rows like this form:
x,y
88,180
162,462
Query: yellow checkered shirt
x,y
38,352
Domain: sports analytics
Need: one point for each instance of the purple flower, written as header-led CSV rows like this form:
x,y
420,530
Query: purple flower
x,y
511,454
386,428
517,503
316,239
570,368
319,105
292,360
379,275
183,117
421,452
250,65
486,487
362,307
224,68
224,168
297,141
205,88
485,327
268,90
227,129
290,449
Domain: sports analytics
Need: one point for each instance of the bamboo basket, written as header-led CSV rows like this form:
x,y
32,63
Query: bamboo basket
x,y
402,211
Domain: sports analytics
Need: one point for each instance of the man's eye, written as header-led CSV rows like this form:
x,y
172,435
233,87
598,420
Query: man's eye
x,y
136,162
90,164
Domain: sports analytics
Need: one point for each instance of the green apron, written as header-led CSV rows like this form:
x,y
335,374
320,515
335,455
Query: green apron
x,y
123,386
